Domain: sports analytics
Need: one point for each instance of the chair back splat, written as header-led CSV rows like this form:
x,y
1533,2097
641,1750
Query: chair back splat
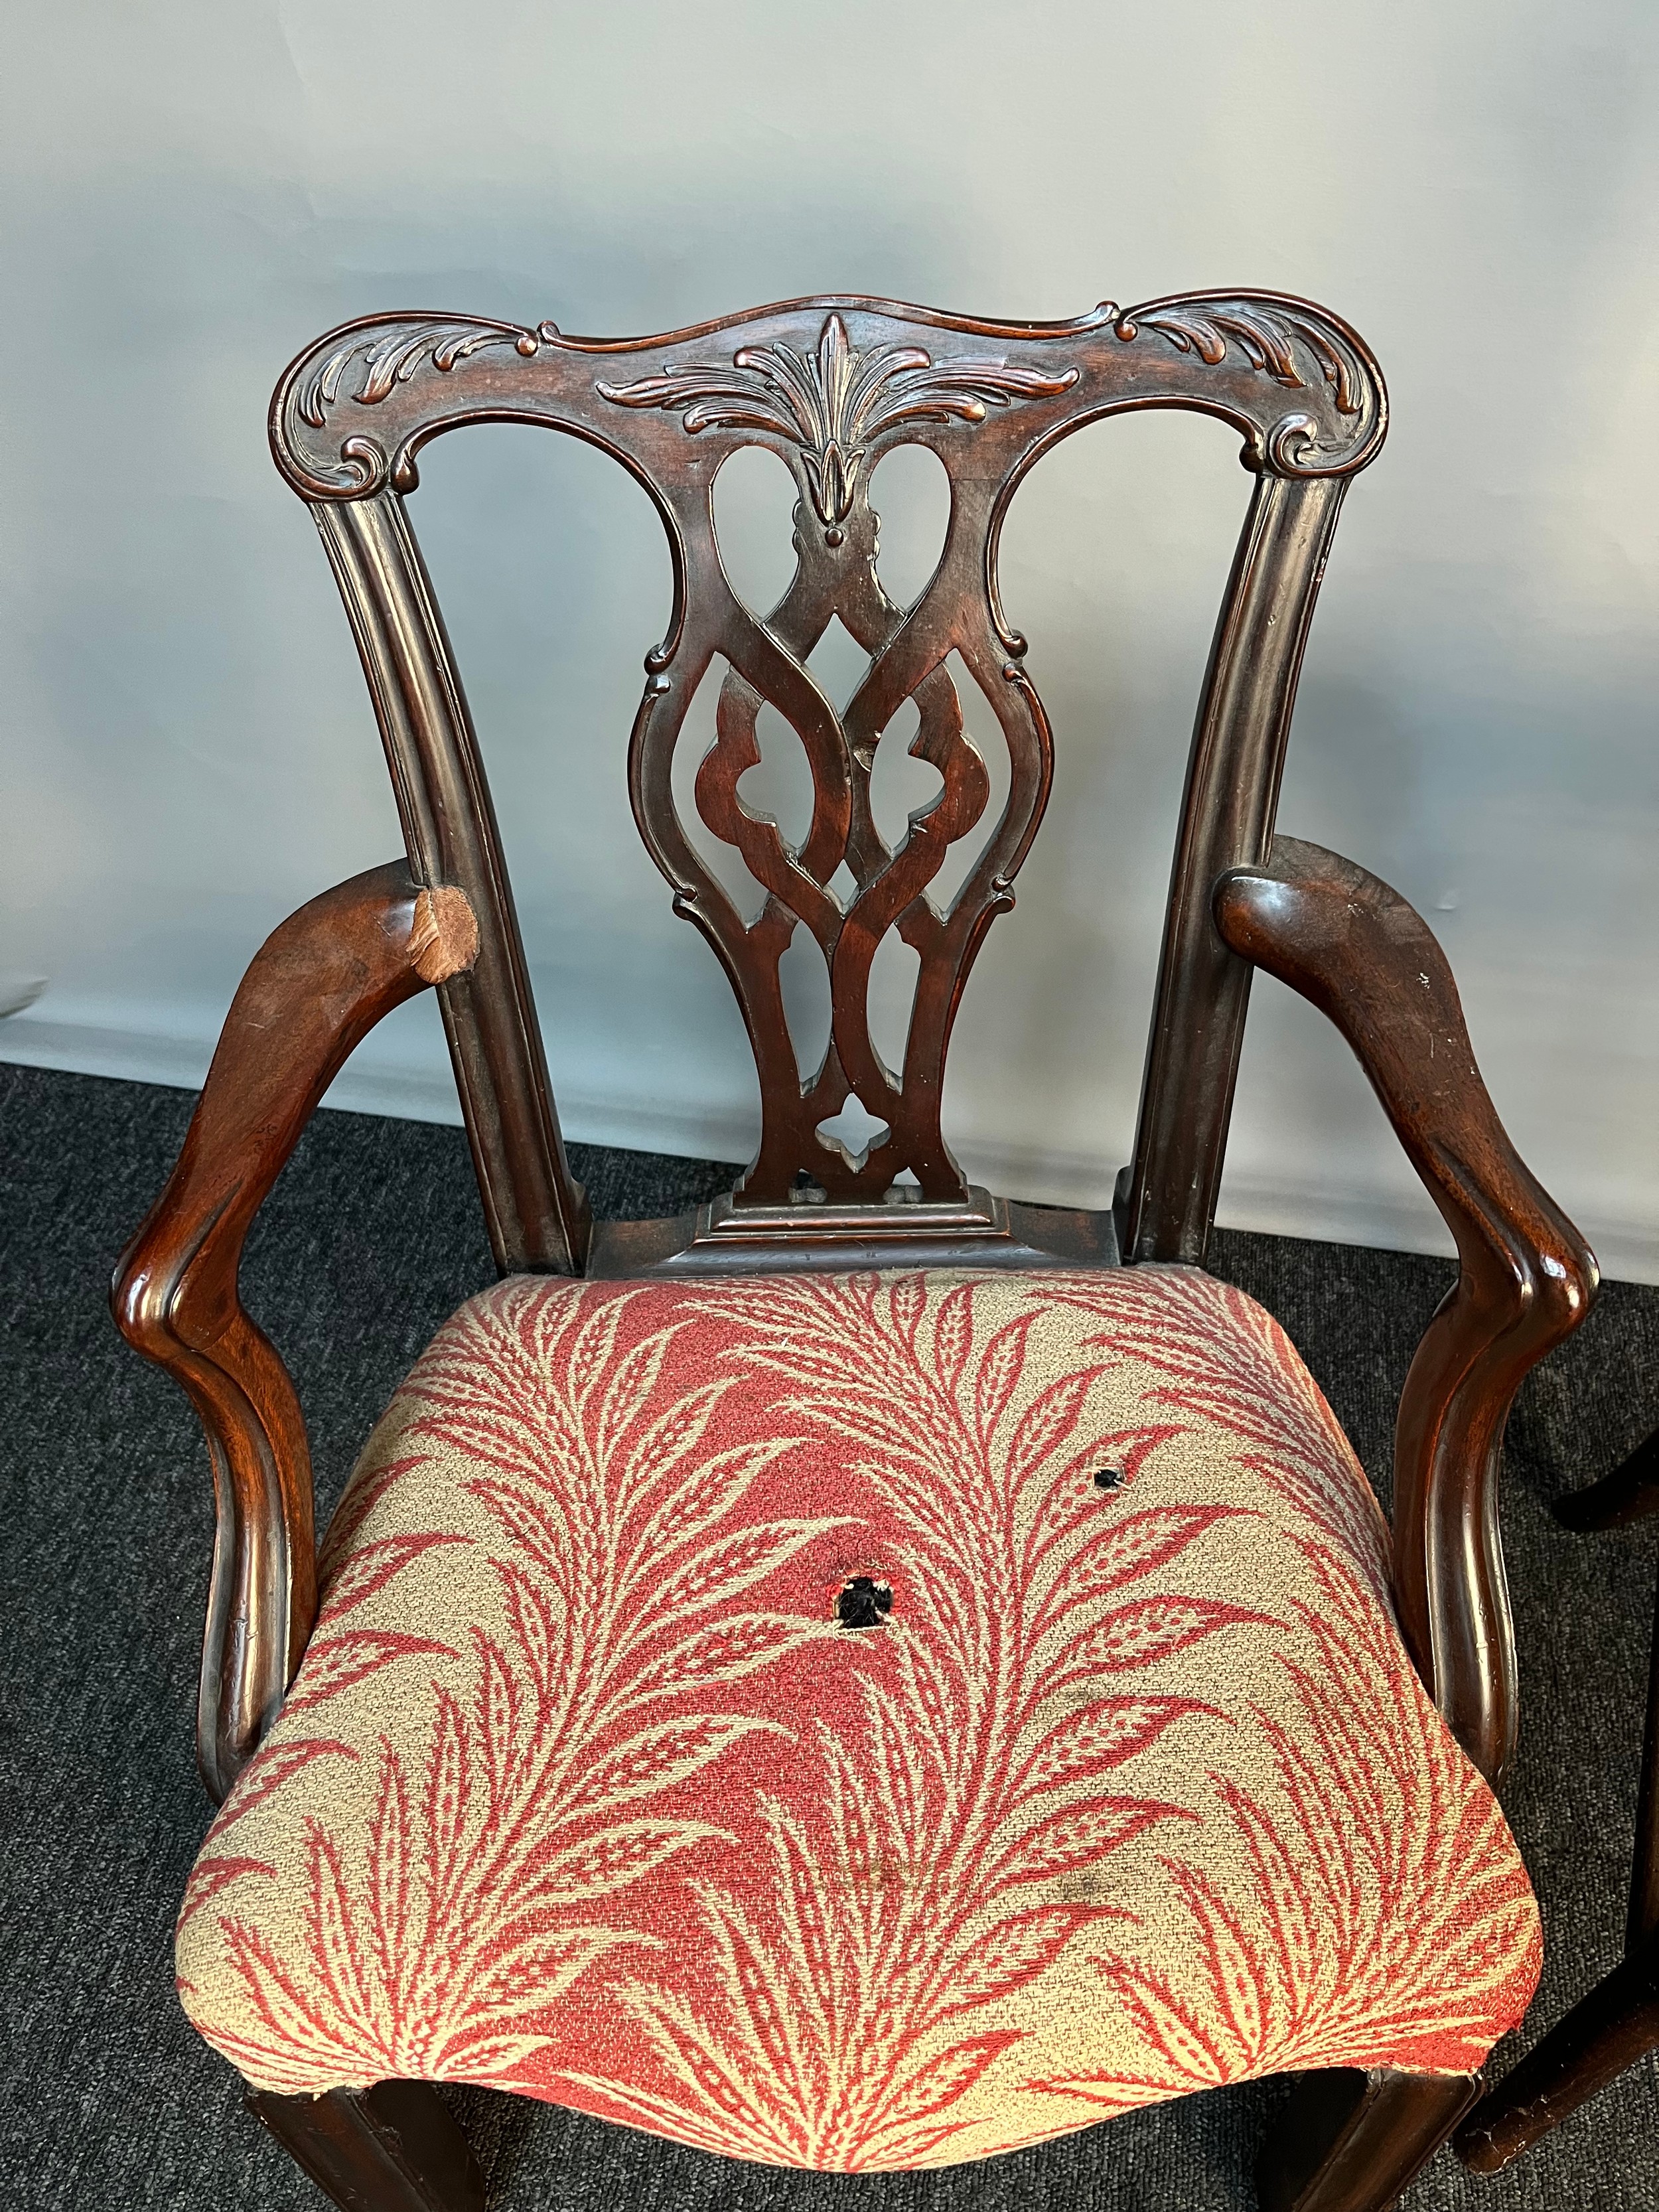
x,y
830,385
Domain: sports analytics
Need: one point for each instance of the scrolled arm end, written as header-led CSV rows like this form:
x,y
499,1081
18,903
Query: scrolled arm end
x,y
316,987
1364,957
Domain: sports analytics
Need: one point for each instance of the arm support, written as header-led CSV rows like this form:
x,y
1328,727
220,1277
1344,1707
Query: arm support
x,y
316,988
1525,1279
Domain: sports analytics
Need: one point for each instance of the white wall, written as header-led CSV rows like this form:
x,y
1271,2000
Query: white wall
x,y
195,190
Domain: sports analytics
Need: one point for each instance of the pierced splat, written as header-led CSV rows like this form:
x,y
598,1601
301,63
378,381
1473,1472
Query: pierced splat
x,y
831,408
837,580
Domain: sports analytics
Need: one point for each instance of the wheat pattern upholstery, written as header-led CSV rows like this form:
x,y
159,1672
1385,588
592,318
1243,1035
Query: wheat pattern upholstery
x,y
857,1721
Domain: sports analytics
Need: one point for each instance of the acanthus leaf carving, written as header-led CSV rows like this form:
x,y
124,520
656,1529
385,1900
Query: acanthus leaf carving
x,y
1269,337
1265,339
833,403
392,357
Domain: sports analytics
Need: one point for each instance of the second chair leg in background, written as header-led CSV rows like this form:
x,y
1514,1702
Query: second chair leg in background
x,y
395,2148
1617,2022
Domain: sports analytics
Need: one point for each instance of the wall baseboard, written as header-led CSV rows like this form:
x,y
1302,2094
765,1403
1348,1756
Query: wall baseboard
x,y
1359,1210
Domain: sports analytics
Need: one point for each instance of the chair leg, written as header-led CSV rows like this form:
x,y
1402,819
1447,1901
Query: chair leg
x,y
1351,2142
395,2148
1609,2029
1630,1494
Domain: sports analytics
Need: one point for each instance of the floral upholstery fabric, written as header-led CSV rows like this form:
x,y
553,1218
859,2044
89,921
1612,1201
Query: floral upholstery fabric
x,y
857,1721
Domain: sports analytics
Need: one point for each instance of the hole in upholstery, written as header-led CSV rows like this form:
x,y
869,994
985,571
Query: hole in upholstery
x,y
863,1602
1109,1478
910,491
754,499
855,1130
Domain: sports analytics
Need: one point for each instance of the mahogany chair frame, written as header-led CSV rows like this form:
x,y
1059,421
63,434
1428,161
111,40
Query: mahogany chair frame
x,y
830,385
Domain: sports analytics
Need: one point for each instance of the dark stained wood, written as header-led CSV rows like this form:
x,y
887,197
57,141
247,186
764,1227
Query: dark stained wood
x,y
1605,2034
1616,2022
830,385
535,1213
317,986
1642,1924
725,1239
395,2148
1629,1494
1351,2142
1226,821
1525,1280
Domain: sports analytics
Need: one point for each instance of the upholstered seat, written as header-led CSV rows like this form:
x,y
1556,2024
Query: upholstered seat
x,y
857,1721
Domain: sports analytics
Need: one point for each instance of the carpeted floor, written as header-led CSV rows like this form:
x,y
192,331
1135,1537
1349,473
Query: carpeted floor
x,y
111,2103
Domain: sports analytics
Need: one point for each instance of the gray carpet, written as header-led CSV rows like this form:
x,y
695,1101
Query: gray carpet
x,y
113,2105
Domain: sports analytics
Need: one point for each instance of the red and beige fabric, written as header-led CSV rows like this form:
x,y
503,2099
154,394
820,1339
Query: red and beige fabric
x,y
589,1787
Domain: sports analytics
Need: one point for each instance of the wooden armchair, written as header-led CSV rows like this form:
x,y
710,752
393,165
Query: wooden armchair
x,y
870,1673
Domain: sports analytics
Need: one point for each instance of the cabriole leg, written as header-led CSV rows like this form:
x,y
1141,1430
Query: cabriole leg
x,y
1350,2141
395,2148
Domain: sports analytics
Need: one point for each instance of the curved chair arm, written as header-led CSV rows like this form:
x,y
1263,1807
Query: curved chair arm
x,y
317,986
1525,1280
